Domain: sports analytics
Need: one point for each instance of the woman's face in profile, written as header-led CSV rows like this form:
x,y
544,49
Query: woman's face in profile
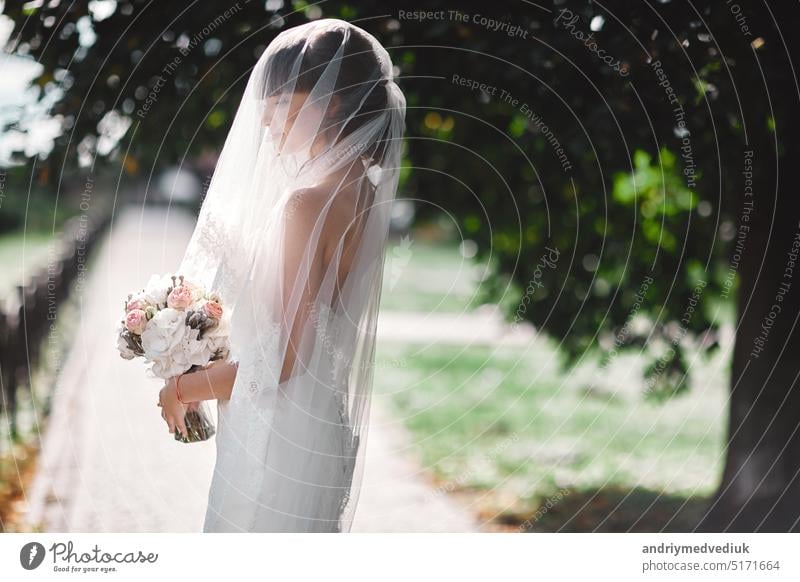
x,y
280,116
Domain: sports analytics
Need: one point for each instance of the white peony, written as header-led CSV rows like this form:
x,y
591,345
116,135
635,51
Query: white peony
x,y
166,368
195,352
164,333
218,337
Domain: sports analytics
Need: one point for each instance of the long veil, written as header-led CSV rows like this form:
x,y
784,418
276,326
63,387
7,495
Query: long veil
x,y
292,234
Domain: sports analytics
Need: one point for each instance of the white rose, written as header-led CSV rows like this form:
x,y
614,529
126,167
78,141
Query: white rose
x,y
157,287
198,293
164,333
147,299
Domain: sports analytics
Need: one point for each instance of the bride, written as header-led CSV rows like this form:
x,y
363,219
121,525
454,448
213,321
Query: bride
x,y
291,234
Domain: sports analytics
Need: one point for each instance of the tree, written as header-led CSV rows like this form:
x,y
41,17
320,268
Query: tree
x,y
648,146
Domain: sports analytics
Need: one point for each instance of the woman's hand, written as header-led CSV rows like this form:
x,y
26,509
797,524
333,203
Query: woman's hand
x,y
172,411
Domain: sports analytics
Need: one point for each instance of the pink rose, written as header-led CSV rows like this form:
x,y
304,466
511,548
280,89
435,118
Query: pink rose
x,y
135,321
212,309
180,297
136,304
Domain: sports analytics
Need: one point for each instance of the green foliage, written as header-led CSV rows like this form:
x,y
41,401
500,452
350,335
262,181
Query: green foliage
x,y
660,195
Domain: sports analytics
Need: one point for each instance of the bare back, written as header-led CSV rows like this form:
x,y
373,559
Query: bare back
x,y
344,229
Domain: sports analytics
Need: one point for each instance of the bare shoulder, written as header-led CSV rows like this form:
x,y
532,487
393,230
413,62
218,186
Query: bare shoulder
x,y
311,209
312,204
305,206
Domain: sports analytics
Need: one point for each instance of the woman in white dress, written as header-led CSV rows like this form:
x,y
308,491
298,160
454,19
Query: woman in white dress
x,y
292,234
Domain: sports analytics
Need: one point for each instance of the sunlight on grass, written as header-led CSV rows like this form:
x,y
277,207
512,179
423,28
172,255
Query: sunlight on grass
x,y
511,422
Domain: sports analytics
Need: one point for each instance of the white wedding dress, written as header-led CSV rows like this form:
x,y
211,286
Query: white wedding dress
x,y
246,491
292,236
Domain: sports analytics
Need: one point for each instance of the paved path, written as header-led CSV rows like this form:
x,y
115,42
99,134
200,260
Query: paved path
x,y
108,462
484,326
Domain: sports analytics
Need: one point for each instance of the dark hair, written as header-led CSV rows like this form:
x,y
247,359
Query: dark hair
x,y
360,72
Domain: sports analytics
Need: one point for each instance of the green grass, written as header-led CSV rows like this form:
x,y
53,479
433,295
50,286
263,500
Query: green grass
x,y
512,423
21,254
428,277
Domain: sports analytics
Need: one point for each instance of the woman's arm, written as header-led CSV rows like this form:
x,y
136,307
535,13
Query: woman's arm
x,y
300,285
214,382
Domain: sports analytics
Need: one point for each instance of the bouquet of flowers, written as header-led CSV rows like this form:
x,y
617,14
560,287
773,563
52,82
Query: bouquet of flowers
x,y
177,327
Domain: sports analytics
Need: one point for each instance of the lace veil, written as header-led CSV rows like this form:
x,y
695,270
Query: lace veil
x,y
291,234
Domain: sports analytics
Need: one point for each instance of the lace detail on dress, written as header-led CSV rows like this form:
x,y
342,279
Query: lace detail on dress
x,y
209,258
328,328
329,335
350,450
258,360
253,397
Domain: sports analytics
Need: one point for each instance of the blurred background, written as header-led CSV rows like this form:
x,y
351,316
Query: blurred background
x,y
592,230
